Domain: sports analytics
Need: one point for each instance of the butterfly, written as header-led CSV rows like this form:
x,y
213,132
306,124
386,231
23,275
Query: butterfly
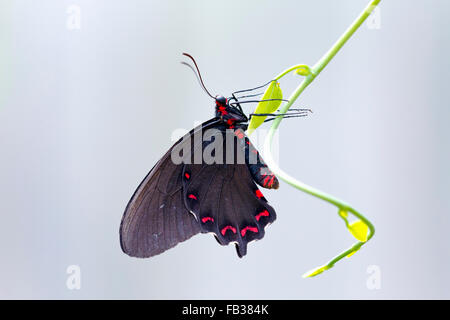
x,y
182,196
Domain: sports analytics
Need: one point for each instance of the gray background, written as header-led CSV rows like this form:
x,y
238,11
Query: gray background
x,y
86,113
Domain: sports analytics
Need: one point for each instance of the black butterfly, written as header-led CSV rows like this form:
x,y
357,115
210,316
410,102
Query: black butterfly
x,y
177,200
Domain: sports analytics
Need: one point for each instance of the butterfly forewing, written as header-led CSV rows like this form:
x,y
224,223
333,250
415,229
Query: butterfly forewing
x,y
156,217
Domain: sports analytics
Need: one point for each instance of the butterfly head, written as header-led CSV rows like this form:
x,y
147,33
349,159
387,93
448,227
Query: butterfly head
x,y
229,113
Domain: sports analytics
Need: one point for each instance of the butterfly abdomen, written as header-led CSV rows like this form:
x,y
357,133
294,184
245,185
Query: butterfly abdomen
x,y
258,168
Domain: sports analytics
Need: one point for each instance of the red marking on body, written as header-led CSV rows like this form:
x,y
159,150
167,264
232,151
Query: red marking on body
x,y
191,196
224,230
259,194
222,110
248,142
187,175
248,228
230,123
206,219
264,213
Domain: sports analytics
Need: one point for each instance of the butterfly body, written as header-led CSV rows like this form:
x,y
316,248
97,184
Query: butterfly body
x,y
178,199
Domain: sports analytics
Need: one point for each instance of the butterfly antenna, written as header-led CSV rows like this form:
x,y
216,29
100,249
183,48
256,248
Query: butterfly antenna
x,y
199,76
195,72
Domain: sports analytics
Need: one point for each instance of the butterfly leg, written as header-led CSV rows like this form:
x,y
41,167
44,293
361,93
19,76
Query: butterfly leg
x,y
293,113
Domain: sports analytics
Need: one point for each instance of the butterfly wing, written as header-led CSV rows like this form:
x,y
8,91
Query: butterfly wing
x,y
226,201
156,218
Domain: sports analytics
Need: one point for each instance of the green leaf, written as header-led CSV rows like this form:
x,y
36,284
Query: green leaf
x,y
314,272
343,214
352,253
273,91
303,70
359,230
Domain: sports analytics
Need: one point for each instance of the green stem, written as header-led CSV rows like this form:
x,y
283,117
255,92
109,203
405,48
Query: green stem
x,y
285,72
309,78
343,39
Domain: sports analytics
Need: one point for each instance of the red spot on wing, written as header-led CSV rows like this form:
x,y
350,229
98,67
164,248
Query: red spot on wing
x,y
224,229
206,219
187,175
259,194
265,181
271,180
191,196
264,213
248,228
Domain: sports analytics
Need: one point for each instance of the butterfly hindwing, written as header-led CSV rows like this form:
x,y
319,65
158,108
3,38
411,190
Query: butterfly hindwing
x,y
226,200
